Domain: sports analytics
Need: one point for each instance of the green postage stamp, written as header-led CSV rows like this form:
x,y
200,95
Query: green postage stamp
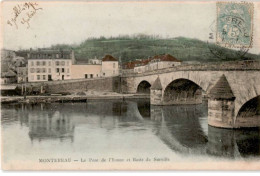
x,y
234,24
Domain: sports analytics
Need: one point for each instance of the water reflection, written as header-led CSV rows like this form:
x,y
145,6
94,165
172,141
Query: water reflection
x,y
233,143
50,124
183,128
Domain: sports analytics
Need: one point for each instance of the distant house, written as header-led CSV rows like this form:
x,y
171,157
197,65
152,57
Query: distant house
x,y
8,77
109,66
129,67
48,65
94,68
163,61
7,69
95,61
150,64
141,66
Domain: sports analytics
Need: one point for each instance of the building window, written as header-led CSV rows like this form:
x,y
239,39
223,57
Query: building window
x,y
49,63
62,63
97,75
57,63
38,70
43,77
38,77
62,70
32,63
57,70
86,75
91,75
113,71
37,63
114,65
104,74
49,70
68,70
43,70
32,70
43,63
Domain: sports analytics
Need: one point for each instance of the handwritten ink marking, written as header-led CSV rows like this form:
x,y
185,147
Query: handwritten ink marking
x,y
23,13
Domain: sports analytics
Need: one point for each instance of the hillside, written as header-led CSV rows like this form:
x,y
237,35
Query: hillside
x,y
141,47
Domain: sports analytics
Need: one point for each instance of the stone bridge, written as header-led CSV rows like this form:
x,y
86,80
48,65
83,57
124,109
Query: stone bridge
x,y
232,89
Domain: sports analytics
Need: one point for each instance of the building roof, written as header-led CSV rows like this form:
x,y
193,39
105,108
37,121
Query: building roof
x,y
157,84
46,51
8,87
166,57
128,65
109,58
132,64
50,54
221,89
8,74
23,53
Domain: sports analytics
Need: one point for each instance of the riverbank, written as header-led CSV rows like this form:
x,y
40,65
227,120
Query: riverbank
x,y
70,98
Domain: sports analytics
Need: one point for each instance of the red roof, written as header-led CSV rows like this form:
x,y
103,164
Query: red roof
x,y
166,57
129,65
109,58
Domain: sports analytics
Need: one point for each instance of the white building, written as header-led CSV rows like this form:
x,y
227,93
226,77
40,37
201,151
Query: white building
x,y
85,71
95,61
109,66
50,65
157,62
95,68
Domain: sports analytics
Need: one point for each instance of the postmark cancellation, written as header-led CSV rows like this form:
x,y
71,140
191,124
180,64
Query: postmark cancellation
x,y
234,24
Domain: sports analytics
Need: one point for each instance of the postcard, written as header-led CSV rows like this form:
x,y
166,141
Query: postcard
x,y
130,85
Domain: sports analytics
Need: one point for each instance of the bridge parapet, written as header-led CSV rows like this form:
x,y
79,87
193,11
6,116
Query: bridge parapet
x,y
216,66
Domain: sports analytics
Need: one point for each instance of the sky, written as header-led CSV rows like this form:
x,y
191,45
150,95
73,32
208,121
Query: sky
x,y
73,22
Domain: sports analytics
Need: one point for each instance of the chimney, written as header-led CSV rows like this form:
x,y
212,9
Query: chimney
x,y
73,57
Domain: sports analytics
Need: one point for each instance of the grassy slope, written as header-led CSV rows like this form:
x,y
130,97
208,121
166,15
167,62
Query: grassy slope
x,y
130,48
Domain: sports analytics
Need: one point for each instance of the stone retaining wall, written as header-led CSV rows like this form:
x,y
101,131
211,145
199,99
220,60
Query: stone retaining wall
x,y
109,84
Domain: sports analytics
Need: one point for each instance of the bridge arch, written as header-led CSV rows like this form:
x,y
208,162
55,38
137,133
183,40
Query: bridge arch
x,y
182,91
249,113
143,87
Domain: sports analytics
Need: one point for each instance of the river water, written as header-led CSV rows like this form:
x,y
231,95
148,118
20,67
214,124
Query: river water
x,y
120,129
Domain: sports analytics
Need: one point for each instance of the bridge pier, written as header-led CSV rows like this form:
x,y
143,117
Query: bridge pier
x,y
221,105
156,93
127,85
